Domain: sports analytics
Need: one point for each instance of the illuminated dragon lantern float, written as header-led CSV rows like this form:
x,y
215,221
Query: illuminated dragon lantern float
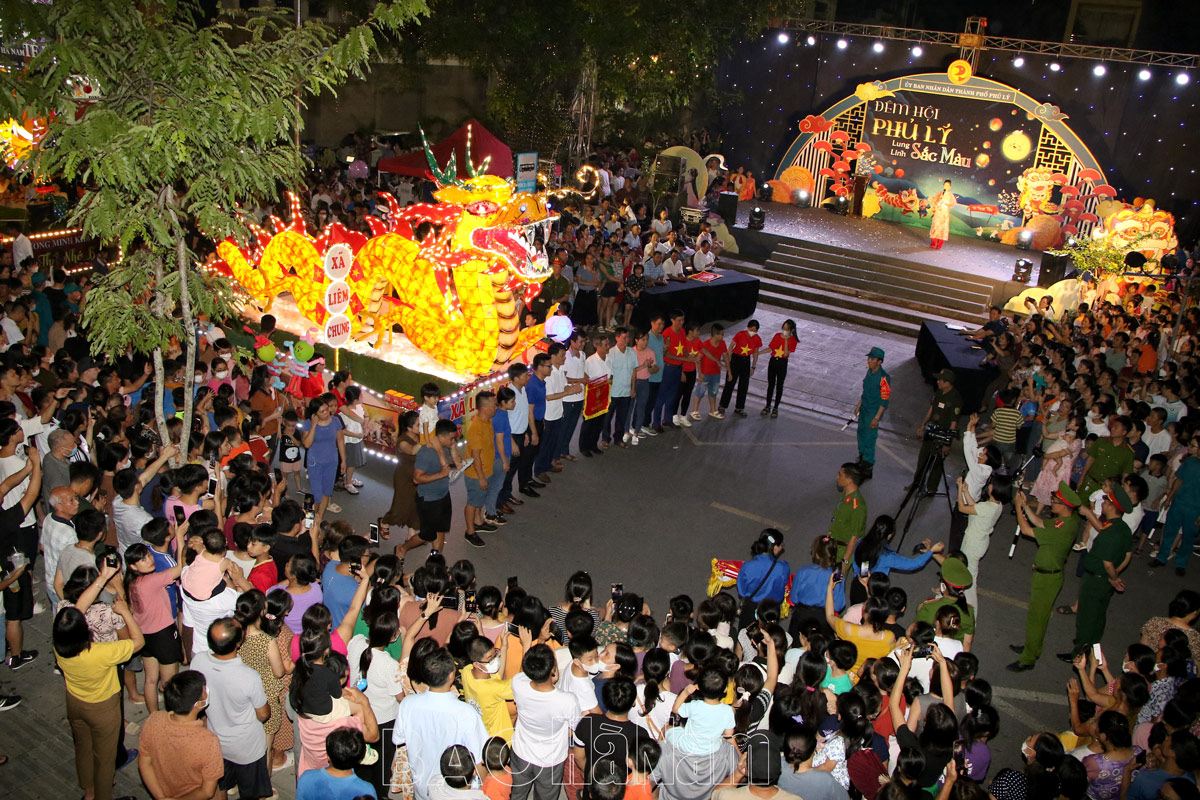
x,y
457,289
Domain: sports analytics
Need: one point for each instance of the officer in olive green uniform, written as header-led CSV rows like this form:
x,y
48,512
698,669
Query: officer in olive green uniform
x,y
1107,457
1102,570
956,578
1054,538
876,394
945,407
849,521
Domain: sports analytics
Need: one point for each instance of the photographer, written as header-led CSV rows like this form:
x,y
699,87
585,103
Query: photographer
x,y
981,460
937,429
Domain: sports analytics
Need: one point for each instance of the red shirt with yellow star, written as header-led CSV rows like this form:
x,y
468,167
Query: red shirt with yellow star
x,y
745,343
694,348
675,344
782,348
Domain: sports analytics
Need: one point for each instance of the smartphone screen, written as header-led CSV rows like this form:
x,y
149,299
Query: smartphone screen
x,y
373,533
469,602
278,475
309,502
179,515
512,582
618,589
450,601
837,577
212,485
309,517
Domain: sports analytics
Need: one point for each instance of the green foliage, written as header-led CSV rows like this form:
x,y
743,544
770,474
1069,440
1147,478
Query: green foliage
x,y
1101,258
655,59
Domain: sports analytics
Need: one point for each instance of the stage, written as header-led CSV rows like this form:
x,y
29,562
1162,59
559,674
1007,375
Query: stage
x,y
784,223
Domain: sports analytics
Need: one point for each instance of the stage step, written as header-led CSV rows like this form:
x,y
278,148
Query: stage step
x,y
861,311
896,291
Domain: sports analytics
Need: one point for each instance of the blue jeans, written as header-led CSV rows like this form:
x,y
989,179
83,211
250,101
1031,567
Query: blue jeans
x,y
493,490
640,402
570,419
549,446
616,421
667,393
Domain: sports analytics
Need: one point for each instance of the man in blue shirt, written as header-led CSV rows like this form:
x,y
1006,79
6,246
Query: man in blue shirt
x,y
433,491
655,342
338,581
345,748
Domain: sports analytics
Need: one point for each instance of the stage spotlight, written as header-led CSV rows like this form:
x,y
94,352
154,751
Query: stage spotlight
x,y
1183,78
1024,239
802,198
811,40
758,219
783,37
559,328
842,205
877,47
1099,70
918,51
1018,61
1055,66
842,44
1022,270
1144,75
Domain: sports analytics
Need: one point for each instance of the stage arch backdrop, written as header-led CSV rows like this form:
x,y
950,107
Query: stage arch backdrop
x,y
1014,162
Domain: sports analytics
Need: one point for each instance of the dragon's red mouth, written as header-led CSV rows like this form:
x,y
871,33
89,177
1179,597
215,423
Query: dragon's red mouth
x,y
517,245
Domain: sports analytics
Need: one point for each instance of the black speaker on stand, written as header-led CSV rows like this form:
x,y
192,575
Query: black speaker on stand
x,y
1054,269
727,203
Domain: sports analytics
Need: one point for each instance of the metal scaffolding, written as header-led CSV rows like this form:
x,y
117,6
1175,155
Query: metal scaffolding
x,y
973,39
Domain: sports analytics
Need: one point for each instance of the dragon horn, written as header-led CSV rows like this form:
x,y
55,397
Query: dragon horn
x,y
472,170
444,177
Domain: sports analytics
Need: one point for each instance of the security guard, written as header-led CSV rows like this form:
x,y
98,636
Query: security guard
x,y
874,401
1054,538
849,521
956,578
945,407
1102,567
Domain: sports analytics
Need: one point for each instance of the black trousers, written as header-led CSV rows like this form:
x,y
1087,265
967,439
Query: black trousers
x,y
520,466
687,383
589,433
776,374
739,374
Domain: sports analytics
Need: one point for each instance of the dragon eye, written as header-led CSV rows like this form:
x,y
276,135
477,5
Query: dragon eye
x,y
523,208
482,208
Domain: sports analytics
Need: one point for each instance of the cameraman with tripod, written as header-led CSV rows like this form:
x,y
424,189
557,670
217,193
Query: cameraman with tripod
x,y
941,418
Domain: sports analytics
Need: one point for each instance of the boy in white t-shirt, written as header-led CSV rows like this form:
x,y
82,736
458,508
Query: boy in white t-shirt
x,y
427,420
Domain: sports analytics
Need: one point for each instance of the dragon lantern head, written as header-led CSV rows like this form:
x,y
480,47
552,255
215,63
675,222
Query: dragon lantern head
x,y
1150,231
496,219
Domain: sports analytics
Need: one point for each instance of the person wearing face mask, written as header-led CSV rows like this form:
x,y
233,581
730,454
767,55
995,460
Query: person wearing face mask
x,y
1043,755
585,665
179,737
486,685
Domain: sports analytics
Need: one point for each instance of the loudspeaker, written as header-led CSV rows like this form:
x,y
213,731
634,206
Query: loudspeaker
x,y
727,207
1054,269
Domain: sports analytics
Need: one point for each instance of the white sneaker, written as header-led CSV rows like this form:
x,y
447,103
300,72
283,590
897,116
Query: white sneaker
x,y
625,439
684,422
675,419
633,440
357,482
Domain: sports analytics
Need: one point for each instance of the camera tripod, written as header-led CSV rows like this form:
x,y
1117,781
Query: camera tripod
x,y
935,464
1018,476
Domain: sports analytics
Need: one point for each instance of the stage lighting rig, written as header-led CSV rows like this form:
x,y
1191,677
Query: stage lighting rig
x,y
1022,270
758,219
1024,239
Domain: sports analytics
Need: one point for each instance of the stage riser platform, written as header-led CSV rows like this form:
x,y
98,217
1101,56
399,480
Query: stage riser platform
x,y
912,292
971,286
877,312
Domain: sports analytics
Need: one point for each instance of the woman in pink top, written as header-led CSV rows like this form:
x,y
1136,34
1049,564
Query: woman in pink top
x,y
151,606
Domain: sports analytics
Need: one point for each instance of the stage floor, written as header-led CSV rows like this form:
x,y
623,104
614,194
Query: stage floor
x,y
976,257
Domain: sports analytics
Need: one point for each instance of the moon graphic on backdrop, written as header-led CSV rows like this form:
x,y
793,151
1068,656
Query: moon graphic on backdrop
x,y
1016,146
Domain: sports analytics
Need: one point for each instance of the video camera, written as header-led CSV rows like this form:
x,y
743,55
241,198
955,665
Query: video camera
x,y
940,435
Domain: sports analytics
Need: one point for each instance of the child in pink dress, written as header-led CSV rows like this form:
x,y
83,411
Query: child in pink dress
x,y
1057,463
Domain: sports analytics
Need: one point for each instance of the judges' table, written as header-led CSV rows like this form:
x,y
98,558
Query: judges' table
x,y
731,296
940,348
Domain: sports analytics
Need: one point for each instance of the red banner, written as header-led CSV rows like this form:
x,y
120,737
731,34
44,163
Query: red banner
x,y
596,397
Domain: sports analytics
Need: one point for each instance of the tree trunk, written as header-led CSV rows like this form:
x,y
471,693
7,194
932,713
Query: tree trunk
x,y
160,307
189,330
